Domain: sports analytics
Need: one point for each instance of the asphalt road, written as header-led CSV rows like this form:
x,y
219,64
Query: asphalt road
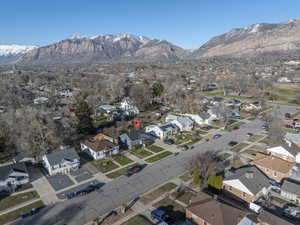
x,y
83,209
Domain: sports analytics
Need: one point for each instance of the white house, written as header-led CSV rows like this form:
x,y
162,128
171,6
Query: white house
x,y
100,146
13,176
250,107
162,131
183,123
289,152
66,93
40,100
128,107
290,189
61,162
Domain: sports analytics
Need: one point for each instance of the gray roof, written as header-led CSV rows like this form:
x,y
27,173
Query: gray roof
x,y
295,138
291,186
204,115
255,184
168,126
138,135
55,158
5,171
185,121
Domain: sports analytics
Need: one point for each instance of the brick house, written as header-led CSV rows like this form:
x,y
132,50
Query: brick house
x,y
206,210
246,184
275,168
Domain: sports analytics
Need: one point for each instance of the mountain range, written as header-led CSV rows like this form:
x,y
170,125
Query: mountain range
x,y
251,41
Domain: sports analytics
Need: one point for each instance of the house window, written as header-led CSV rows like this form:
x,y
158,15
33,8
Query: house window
x,y
267,169
230,188
244,194
275,174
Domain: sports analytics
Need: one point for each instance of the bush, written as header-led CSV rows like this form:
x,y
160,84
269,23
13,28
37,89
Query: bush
x,y
215,182
196,176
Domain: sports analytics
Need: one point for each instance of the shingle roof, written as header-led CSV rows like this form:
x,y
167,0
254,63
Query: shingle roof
x,y
273,163
272,219
291,186
5,171
55,158
99,145
293,149
254,184
215,212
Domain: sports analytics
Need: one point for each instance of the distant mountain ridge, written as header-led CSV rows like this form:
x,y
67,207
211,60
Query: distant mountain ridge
x,y
262,39
9,53
254,40
103,48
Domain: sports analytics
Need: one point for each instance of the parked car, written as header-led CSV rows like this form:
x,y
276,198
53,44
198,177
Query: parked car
x,y
134,169
169,141
235,128
31,212
206,128
249,134
216,136
161,216
186,147
232,143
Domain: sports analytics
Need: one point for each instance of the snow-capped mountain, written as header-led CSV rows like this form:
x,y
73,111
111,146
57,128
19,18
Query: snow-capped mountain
x,y
9,53
253,40
103,48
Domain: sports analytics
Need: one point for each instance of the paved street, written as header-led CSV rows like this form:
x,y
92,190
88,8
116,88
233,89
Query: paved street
x,y
117,192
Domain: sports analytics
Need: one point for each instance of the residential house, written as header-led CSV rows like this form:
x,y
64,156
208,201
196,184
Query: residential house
x,y
13,176
183,123
61,162
290,189
286,151
66,93
206,210
293,138
23,158
267,218
274,167
136,138
162,131
40,100
128,107
246,183
216,100
100,146
284,80
200,119
251,107
107,109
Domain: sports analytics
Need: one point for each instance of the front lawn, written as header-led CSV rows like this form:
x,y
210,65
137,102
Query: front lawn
x,y
104,165
186,177
184,196
233,125
266,141
151,196
15,200
223,156
140,153
120,172
201,132
122,159
239,147
138,220
255,138
172,208
155,149
183,137
158,157
250,152
11,216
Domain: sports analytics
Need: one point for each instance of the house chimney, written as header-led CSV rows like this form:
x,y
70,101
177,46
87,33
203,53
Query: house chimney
x,y
249,174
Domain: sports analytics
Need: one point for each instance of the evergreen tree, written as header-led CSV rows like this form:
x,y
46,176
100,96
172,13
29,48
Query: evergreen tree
x,y
157,89
83,113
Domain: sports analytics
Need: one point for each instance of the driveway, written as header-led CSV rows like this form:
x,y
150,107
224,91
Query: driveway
x,y
122,190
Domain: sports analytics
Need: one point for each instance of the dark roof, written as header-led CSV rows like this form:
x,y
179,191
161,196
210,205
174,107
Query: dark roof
x,y
272,219
168,126
291,186
293,149
99,145
204,115
55,158
214,211
5,171
255,182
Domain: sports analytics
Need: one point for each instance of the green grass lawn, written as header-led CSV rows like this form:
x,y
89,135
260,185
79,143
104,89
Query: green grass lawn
x,y
138,220
184,196
266,141
149,197
15,200
104,165
239,147
255,138
158,157
183,137
237,163
251,118
122,159
155,149
200,132
223,156
120,172
289,130
100,122
186,177
9,217
140,153
235,124
172,208
286,95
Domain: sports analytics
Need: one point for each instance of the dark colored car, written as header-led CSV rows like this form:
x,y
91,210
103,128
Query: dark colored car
x,y
232,143
206,128
235,128
31,212
216,136
162,216
249,134
169,141
133,170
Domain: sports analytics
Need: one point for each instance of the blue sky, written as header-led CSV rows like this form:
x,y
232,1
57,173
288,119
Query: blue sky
x,y
187,23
